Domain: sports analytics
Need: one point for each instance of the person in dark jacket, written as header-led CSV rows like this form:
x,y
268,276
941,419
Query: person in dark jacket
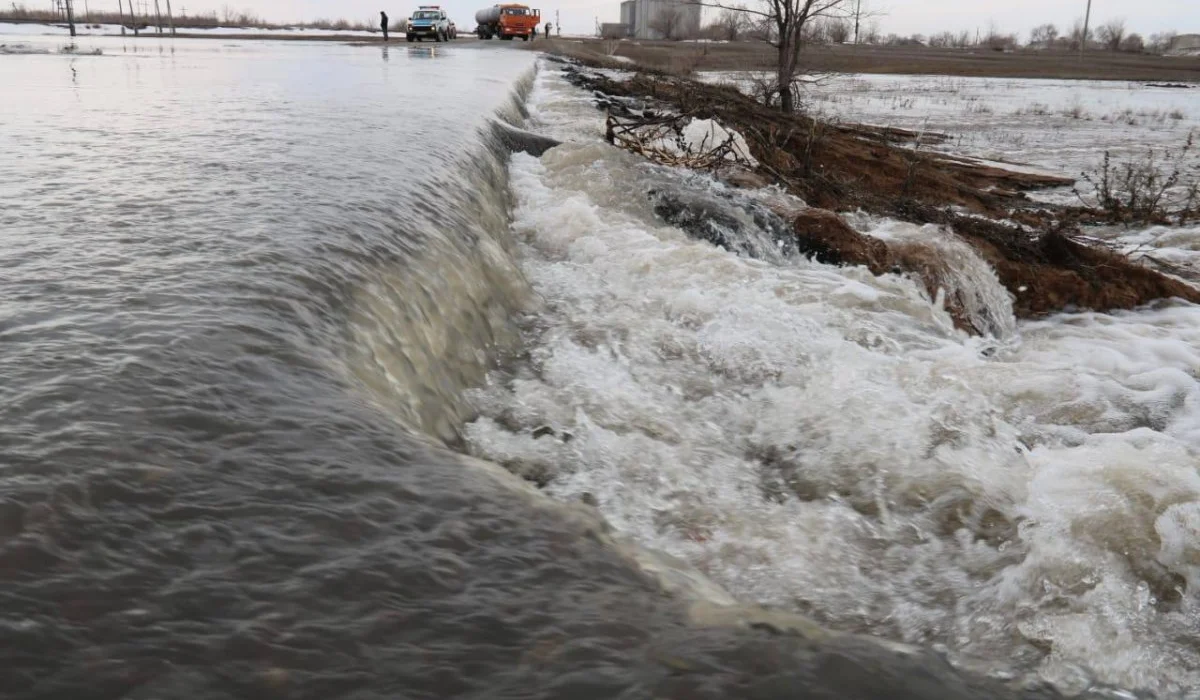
x,y
383,24
548,25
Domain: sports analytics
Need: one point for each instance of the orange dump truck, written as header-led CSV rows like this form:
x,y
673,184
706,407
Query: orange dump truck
x,y
507,21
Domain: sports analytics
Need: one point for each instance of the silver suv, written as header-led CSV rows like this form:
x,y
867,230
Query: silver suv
x,y
429,22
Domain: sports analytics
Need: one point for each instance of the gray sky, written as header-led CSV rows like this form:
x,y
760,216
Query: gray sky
x,y
899,16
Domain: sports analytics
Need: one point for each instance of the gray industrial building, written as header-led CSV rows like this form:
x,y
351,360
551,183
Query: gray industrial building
x,y
1183,45
649,19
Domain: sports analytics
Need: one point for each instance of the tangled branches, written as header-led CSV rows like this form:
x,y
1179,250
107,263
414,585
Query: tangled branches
x,y
679,140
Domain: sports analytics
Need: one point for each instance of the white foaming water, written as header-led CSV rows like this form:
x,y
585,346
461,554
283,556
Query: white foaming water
x,y
824,440
1174,250
954,266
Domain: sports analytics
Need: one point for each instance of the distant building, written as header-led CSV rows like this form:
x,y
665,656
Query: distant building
x,y
614,30
1185,44
661,19
628,14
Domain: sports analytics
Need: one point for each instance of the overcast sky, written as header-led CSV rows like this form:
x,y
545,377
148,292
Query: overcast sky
x,y
899,16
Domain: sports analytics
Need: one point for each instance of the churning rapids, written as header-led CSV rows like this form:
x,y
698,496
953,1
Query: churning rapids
x,y
272,314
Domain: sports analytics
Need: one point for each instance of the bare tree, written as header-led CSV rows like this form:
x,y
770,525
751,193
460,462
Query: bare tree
x,y
1133,44
870,33
1112,33
731,23
997,41
1160,42
993,30
814,33
668,23
837,30
943,40
787,21
1044,34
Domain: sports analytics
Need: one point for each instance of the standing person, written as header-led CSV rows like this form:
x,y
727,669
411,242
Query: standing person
x,y
548,25
383,23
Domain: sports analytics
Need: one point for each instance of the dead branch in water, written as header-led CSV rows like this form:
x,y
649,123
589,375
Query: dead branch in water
x,y
662,139
847,167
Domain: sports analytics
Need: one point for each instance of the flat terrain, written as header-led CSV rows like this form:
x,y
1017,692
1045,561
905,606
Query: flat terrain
x,y
686,57
895,59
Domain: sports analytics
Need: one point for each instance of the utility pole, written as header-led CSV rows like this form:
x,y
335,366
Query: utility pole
x,y
133,18
557,23
70,16
170,18
1087,18
857,19
121,14
158,14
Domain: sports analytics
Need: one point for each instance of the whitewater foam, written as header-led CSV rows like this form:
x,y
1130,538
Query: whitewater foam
x,y
824,440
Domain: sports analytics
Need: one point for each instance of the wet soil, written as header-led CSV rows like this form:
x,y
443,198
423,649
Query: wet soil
x,y
822,58
836,167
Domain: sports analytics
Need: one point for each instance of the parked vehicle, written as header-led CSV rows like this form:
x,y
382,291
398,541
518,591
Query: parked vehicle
x,y
507,21
429,22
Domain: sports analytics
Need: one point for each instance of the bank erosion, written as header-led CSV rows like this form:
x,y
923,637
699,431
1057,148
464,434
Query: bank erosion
x,y
1037,250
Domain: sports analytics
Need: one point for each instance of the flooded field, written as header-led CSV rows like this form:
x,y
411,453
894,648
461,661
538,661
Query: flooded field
x,y
311,388
1055,126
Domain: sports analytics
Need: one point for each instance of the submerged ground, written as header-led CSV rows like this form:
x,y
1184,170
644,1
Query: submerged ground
x,y
259,298
975,61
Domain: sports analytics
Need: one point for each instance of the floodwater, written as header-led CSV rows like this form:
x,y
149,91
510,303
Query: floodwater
x,y
258,301
824,440
199,499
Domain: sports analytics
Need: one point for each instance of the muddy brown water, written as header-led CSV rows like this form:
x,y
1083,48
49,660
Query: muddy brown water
x,y
238,299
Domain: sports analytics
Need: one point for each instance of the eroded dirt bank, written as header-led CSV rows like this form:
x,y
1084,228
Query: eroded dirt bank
x,y
752,55
842,168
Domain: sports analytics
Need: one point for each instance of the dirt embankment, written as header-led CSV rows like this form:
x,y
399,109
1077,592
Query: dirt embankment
x,y
850,167
981,62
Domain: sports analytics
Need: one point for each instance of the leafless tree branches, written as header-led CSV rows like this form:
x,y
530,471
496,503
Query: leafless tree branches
x,y
786,22
668,23
1112,33
732,23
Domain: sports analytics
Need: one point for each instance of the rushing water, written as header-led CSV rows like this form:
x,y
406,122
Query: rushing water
x,y
246,290
824,440
197,496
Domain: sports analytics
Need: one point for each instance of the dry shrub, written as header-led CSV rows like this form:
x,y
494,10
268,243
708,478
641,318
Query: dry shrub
x,y
1157,187
685,64
1075,111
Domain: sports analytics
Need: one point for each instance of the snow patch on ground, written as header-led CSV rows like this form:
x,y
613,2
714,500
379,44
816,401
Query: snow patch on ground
x,y
1060,126
701,135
